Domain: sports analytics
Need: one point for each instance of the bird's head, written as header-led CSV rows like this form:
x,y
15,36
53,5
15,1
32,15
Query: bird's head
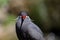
x,y
23,14
21,17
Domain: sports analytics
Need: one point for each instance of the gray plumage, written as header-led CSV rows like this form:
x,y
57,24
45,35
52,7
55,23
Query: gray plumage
x,y
28,30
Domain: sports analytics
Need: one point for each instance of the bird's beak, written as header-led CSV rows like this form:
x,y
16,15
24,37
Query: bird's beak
x,y
23,17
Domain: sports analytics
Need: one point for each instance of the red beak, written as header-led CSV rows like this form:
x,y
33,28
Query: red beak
x,y
23,17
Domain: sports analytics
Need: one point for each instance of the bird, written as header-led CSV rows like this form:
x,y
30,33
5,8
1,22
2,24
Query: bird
x,y
26,29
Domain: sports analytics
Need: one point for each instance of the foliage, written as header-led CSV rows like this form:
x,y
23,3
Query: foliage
x,y
9,19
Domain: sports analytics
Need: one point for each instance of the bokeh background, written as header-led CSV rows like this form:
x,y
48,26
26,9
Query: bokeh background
x,y
44,13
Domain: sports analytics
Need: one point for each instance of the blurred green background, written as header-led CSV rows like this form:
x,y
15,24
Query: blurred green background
x,y
45,13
